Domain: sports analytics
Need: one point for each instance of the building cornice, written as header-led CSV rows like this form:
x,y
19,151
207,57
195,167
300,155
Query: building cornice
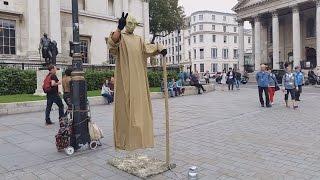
x,y
214,23
213,12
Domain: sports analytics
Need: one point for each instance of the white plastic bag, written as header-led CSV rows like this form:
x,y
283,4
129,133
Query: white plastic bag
x,y
94,131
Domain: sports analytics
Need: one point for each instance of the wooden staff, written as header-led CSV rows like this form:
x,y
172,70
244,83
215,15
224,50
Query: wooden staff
x,y
165,86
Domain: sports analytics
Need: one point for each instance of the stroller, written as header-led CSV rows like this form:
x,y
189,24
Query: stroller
x,y
63,137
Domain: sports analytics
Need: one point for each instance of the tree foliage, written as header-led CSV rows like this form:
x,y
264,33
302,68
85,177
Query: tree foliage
x,y
165,16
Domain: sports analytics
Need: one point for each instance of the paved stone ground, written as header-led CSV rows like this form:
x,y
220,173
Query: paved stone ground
x,y
226,134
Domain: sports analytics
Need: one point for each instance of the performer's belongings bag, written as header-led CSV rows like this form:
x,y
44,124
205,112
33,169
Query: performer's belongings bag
x,y
94,131
64,133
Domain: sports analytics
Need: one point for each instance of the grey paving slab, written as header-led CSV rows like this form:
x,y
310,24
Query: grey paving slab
x,y
226,134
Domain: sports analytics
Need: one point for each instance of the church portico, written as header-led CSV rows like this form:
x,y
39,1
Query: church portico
x,y
284,31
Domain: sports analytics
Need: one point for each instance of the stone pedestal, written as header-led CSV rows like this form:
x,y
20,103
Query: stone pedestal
x,y
41,75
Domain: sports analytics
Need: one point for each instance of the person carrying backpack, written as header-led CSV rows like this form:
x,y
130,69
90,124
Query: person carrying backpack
x,y
50,87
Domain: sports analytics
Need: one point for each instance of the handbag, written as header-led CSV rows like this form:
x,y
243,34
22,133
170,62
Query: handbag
x,y
94,131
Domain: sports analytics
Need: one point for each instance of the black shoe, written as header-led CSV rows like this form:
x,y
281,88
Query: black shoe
x,y
269,106
262,105
49,123
298,100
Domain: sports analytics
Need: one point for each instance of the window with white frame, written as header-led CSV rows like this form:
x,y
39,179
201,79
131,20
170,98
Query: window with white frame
x,y
225,66
214,38
201,67
189,53
201,27
194,67
224,18
213,17
249,40
235,39
214,52
224,28
194,39
201,17
235,54
84,49
213,27
194,18
201,53
225,53
235,66
214,67
225,39
201,38
234,29
7,36
194,28
194,54
189,42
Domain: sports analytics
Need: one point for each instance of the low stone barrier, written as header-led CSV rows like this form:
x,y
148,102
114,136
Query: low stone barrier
x,y
37,106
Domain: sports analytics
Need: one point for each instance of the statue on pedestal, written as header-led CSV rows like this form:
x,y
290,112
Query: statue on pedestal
x,y
48,50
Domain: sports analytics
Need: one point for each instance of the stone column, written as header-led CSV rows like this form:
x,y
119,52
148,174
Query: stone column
x,y
241,46
145,12
257,43
275,40
125,6
318,34
296,36
33,26
55,22
253,41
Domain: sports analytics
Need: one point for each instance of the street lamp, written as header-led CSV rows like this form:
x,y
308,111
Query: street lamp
x,y
80,136
178,46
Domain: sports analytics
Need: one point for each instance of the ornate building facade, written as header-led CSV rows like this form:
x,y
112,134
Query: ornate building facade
x,y
22,23
284,31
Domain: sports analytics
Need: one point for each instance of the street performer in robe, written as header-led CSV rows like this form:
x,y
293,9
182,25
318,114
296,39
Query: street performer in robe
x,y
133,119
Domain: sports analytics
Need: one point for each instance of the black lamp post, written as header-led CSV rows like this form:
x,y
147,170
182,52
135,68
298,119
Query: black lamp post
x,y
178,46
78,88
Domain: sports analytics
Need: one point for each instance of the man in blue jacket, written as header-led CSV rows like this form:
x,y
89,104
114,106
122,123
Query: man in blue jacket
x,y
299,76
262,78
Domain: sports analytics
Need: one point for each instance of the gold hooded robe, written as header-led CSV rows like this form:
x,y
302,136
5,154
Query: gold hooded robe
x,y
133,119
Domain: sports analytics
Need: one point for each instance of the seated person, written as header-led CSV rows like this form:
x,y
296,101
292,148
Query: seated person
x,y
171,88
179,87
194,81
107,93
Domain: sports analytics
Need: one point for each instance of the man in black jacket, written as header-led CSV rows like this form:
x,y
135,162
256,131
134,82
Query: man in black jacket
x,y
194,81
230,79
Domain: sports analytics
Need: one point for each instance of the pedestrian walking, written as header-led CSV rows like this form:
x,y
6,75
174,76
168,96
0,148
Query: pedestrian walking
x,y
66,82
230,79
237,79
273,86
262,78
50,87
299,79
289,84
223,79
207,77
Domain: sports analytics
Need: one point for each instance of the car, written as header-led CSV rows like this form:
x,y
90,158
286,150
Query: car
x,y
279,73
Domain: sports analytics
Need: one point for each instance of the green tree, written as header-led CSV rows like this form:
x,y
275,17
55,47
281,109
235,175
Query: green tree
x,y
165,16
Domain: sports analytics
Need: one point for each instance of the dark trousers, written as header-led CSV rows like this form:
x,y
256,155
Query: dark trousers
x,y
265,89
292,92
54,98
298,93
207,81
109,98
67,100
230,84
199,86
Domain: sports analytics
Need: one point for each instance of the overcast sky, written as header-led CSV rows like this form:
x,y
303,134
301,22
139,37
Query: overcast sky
x,y
191,6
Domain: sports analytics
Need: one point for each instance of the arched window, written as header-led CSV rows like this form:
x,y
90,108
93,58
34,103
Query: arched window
x,y
311,28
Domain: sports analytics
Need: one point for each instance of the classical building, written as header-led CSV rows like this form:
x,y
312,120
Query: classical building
x,y
210,42
22,23
285,31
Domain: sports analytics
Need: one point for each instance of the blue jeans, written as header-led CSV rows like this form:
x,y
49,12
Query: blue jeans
x,y
237,84
108,98
54,98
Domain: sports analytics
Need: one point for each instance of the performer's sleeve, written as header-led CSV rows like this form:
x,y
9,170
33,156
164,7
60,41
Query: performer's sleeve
x,y
152,49
113,47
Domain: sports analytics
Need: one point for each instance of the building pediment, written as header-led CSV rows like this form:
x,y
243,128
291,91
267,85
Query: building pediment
x,y
242,4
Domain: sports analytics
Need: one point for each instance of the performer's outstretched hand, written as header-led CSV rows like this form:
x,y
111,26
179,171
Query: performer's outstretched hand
x,y
122,21
164,52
